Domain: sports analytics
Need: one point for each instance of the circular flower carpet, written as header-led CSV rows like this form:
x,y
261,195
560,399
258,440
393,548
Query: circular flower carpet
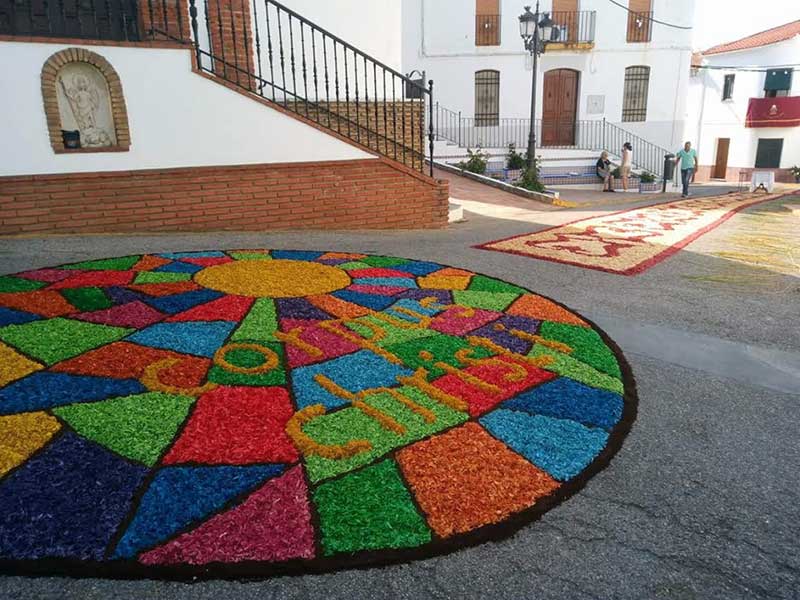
x,y
249,412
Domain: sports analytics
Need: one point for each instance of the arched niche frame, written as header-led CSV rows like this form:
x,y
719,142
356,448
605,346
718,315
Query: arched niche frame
x,y
82,91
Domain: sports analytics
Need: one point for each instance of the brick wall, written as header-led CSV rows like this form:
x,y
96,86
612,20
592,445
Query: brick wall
x,y
168,20
231,41
362,194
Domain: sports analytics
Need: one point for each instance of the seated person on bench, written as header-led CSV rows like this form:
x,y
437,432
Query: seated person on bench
x,y
604,172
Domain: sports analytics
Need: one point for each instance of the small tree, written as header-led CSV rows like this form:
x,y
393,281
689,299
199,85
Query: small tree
x,y
514,160
476,163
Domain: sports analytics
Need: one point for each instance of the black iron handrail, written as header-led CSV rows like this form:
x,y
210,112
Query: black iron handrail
x,y
115,20
273,52
591,135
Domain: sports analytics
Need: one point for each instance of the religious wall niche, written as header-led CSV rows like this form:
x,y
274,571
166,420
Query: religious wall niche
x,y
84,103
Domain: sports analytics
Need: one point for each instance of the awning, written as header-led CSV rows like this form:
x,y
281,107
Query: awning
x,y
774,112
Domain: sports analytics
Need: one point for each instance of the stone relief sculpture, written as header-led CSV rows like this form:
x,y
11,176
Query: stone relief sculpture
x,y
85,104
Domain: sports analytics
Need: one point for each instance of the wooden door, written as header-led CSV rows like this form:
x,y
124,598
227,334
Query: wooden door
x,y
721,166
560,107
565,17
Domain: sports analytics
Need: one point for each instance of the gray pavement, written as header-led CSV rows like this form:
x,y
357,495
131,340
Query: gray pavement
x,y
703,500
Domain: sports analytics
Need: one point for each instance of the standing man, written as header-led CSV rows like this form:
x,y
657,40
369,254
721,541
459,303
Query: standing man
x,y
688,160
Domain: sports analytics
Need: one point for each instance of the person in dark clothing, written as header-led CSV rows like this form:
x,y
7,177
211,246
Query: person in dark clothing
x,y
604,172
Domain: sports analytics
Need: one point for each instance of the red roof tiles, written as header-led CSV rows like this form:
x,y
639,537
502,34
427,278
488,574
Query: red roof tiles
x,y
763,38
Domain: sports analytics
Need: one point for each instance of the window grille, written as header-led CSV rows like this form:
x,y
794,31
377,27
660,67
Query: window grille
x,y
487,98
637,87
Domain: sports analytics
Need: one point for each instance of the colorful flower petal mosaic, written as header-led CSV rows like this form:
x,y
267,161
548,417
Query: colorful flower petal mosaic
x,y
244,413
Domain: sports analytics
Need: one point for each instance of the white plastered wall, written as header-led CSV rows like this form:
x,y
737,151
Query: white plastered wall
x,y
439,37
713,118
177,118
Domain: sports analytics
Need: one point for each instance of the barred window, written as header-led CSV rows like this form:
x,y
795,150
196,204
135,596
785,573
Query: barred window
x,y
634,101
487,98
727,90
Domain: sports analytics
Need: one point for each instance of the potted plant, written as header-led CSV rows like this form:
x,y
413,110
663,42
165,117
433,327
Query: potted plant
x,y
795,170
647,182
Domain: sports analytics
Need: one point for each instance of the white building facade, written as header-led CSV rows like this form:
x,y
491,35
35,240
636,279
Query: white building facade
x,y
606,63
743,76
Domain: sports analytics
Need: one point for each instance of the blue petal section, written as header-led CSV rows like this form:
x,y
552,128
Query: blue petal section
x,y
354,372
179,255
15,317
179,267
44,390
415,306
181,302
403,282
373,301
562,448
179,496
295,254
564,398
198,338
418,268
66,502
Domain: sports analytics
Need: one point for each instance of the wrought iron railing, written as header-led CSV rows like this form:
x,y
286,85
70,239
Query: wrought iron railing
x,y
273,52
640,27
573,27
594,135
116,20
487,30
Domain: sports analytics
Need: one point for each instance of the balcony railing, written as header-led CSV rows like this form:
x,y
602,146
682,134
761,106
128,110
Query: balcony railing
x,y
115,20
487,30
576,27
640,27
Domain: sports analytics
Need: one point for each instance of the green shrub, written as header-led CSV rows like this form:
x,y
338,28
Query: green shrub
x,y
616,173
514,160
530,178
476,163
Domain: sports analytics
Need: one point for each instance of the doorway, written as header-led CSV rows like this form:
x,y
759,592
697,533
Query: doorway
x,y
560,107
721,165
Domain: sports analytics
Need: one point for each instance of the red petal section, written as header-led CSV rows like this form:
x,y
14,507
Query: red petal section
x,y
237,426
481,399
47,304
227,308
124,360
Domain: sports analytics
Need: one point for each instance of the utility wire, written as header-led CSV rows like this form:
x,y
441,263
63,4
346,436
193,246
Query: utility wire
x,y
622,6
747,69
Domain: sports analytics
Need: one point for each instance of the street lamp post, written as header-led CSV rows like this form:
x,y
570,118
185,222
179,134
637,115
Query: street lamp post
x,y
535,34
